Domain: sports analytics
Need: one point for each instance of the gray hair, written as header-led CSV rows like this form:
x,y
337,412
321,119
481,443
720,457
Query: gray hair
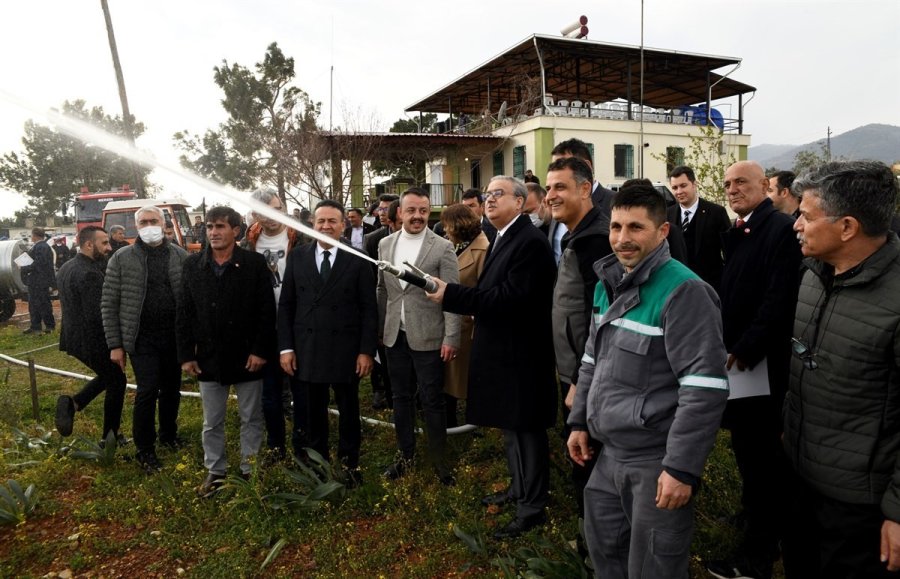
x,y
519,189
116,229
264,195
864,190
149,209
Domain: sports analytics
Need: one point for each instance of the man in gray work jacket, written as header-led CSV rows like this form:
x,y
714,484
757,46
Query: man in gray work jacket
x,y
651,389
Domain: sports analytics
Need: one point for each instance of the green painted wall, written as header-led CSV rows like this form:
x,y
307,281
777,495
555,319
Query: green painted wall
x,y
540,157
742,152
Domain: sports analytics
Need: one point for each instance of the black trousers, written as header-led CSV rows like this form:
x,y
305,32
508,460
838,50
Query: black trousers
x,y
158,377
380,377
408,368
349,430
273,405
300,434
109,379
755,425
528,459
831,539
40,309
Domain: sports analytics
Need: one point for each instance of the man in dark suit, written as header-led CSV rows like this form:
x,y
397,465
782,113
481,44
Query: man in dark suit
x,y
357,230
80,283
702,223
39,277
382,394
327,317
473,199
512,376
759,294
600,195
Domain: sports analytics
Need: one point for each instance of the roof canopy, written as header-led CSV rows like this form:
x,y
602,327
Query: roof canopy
x,y
584,70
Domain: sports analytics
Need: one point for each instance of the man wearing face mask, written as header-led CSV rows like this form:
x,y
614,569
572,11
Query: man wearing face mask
x,y
535,208
140,293
80,282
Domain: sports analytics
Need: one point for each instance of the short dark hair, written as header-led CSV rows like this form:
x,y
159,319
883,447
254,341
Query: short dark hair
x,y
355,210
473,194
785,181
224,213
641,195
330,203
393,208
575,148
304,213
864,190
636,181
580,170
683,170
87,234
537,190
417,191
38,232
389,197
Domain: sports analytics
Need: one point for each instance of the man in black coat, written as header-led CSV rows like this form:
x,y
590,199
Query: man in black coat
x,y
80,283
759,295
225,337
327,331
39,278
512,374
702,223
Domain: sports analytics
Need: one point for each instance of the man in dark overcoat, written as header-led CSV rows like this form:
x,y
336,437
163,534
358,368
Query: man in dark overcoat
x,y
224,333
759,294
39,277
327,332
512,374
80,282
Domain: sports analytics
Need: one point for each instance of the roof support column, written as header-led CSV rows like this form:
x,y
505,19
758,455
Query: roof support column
x,y
628,92
356,182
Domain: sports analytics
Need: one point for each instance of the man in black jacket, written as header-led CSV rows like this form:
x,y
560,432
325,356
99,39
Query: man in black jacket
x,y
759,294
80,283
702,222
224,332
327,328
39,278
512,378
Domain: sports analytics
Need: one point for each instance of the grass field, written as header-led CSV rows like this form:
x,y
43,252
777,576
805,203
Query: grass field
x,y
106,518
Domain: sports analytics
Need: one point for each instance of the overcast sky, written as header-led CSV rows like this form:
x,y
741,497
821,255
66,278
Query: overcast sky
x,y
814,63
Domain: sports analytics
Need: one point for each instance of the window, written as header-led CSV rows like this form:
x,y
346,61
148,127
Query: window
x,y
519,161
498,163
476,174
674,158
623,162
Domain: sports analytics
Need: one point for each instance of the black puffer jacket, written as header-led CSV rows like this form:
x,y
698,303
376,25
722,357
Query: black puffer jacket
x,y
842,419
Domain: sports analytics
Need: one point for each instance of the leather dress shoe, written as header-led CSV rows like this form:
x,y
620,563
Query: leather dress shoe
x,y
499,498
520,525
210,485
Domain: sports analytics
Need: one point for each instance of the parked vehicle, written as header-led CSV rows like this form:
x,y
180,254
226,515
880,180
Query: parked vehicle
x,y
89,206
175,211
659,186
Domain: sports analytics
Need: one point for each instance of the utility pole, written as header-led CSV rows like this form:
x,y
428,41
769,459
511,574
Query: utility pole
x,y
120,80
828,141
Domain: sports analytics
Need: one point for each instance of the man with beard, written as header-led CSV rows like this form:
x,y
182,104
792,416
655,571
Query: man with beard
x,y
419,337
80,282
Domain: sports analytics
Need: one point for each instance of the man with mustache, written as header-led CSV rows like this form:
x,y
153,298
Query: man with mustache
x,y
651,389
419,337
842,425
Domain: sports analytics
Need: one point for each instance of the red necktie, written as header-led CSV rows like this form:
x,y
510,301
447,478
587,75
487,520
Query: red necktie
x,y
739,223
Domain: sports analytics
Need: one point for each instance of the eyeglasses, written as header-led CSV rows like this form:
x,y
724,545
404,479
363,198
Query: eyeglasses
x,y
496,194
805,355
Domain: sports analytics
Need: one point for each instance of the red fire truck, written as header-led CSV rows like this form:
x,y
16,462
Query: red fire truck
x,y
89,206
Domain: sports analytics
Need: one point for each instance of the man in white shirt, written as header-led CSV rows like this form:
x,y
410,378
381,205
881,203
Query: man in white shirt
x,y
357,229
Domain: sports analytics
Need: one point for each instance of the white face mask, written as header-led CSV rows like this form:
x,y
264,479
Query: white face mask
x,y
535,219
151,234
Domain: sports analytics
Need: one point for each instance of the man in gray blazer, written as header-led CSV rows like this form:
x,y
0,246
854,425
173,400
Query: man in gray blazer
x,y
419,337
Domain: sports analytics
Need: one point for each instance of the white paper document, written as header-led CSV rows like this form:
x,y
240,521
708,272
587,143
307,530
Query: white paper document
x,y
23,260
749,383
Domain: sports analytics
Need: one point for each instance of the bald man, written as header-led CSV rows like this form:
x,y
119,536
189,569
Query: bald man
x,y
759,294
